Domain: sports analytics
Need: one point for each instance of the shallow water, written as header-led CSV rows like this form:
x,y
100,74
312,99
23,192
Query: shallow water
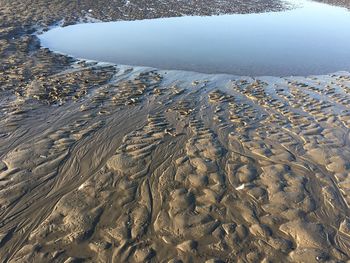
x,y
313,38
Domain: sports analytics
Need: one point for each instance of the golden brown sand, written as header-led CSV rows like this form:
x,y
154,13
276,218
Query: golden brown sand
x,y
106,163
148,168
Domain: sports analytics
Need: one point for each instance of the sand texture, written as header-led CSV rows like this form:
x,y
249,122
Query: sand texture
x,y
343,3
147,168
109,163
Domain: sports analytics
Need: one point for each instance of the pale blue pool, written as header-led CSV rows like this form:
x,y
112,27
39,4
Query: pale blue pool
x,y
313,38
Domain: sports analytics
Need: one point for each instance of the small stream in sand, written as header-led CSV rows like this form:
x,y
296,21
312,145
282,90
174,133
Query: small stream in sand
x,y
313,38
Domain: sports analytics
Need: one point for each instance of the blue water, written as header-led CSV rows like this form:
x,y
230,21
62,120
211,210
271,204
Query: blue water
x,y
313,38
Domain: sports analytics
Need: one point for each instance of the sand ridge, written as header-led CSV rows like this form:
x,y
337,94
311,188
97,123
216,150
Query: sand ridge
x,y
210,168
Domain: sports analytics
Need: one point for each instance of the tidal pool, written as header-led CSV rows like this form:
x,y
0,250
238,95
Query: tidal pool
x,y
313,38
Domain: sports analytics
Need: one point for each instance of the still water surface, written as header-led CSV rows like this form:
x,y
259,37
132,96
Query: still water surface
x,y
313,38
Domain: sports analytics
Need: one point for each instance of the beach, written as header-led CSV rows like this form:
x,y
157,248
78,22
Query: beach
x,y
112,163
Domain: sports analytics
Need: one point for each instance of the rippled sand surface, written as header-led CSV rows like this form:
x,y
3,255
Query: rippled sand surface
x,y
168,166
107,163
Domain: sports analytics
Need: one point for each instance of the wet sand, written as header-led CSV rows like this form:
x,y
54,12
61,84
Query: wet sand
x,y
343,3
108,163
